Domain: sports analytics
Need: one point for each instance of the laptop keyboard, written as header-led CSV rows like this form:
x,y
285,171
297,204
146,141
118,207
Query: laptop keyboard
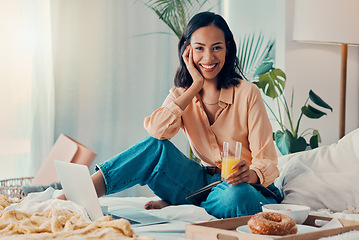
x,y
133,222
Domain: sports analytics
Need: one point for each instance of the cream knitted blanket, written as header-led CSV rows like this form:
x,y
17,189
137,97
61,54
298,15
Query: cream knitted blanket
x,y
62,224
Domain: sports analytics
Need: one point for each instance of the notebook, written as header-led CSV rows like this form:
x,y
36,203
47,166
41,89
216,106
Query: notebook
x,y
78,187
200,195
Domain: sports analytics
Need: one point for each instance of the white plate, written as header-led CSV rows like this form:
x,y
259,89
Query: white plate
x,y
301,229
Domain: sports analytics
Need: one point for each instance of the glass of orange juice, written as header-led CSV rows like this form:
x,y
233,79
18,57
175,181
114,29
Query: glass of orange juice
x,y
229,159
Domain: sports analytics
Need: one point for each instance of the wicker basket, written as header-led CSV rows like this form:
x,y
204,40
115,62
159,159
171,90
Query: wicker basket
x,y
12,187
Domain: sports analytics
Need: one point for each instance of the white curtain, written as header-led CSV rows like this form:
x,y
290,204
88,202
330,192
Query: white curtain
x,y
111,70
26,86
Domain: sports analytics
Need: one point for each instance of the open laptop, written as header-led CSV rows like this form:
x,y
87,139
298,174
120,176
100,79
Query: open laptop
x,y
78,187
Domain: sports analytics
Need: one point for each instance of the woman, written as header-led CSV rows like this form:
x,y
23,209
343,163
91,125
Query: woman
x,y
212,104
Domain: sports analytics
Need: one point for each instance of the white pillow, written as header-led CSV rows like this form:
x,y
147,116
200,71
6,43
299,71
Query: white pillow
x,y
326,177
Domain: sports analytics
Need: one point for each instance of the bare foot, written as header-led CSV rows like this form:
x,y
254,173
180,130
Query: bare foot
x,y
156,204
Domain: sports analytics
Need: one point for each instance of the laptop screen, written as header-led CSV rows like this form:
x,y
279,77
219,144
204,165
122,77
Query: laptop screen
x,y
78,187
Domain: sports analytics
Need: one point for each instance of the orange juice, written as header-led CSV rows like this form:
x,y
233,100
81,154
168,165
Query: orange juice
x,y
227,164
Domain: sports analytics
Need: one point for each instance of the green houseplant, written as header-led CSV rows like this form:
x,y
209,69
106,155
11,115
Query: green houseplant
x,y
289,140
256,54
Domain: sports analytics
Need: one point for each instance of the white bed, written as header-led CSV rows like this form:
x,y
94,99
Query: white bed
x,y
325,179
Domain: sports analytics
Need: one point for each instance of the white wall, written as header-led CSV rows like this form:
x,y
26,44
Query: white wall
x,y
317,67
307,66
248,16
253,16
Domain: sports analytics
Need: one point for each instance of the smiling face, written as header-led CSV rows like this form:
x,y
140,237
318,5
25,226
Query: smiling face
x,y
209,51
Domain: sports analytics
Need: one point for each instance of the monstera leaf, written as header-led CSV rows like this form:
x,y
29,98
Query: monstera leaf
x,y
272,82
317,100
287,143
266,85
312,112
315,139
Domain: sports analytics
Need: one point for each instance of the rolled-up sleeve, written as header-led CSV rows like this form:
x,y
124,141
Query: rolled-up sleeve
x,y
164,122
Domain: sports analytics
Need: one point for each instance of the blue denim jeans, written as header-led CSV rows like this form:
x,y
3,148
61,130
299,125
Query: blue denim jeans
x,y
172,176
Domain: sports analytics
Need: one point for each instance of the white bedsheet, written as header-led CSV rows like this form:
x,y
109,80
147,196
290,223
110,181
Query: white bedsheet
x,y
180,216
185,214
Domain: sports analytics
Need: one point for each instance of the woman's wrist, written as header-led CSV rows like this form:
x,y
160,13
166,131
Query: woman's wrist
x,y
197,86
253,177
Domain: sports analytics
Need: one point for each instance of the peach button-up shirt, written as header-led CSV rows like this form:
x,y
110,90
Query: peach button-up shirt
x,y
242,117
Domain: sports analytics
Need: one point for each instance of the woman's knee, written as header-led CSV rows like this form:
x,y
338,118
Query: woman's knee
x,y
153,141
158,144
227,201
151,146
239,195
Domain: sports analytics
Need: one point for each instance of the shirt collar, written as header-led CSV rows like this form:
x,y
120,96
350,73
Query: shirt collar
x,y
226,95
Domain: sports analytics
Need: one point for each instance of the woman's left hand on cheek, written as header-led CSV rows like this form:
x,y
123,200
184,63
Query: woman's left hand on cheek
x,y
240,175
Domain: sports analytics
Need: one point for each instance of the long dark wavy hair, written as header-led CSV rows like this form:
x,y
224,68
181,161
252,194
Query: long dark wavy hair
x,y
231,71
